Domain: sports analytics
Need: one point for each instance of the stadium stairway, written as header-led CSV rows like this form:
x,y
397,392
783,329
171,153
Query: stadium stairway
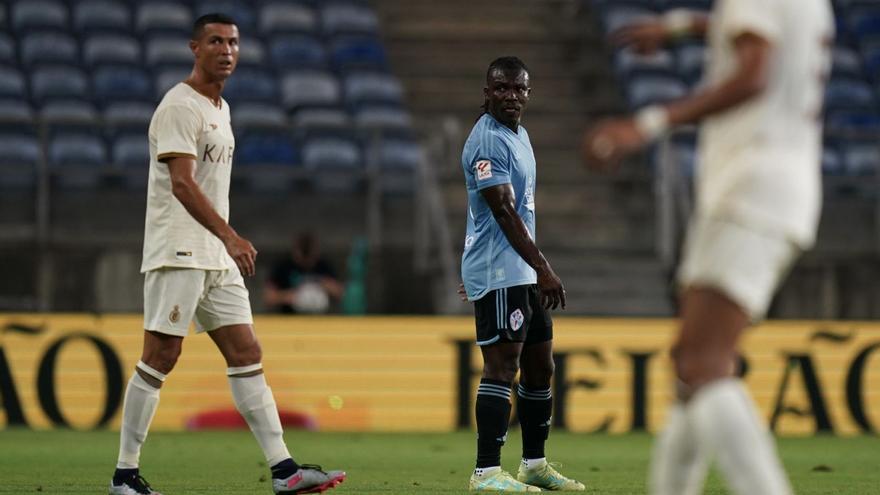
x,y
597,231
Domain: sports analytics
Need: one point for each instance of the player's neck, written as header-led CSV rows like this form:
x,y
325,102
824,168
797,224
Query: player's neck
x,y
209,89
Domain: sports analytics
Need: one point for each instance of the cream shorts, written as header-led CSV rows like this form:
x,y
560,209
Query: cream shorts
x,y
746,265
174,297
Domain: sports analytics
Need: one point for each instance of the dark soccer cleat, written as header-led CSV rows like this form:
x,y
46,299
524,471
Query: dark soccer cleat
x,y
309,478
134,485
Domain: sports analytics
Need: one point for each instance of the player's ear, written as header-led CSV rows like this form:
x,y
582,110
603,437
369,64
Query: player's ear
x,y
194,47
486,91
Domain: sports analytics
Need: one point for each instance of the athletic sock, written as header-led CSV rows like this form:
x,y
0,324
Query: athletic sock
x,y
253,399
284,469
533,463
726,424
678,467
121,475
493,415
534,407
139,407
486,471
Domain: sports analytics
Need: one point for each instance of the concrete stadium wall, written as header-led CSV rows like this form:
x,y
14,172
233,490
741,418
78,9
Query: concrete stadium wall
x,y
419,374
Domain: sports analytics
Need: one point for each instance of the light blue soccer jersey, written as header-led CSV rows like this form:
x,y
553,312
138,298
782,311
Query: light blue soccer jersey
x,y
493,155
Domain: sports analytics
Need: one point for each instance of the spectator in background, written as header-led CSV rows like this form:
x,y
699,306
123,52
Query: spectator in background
x,y
304,282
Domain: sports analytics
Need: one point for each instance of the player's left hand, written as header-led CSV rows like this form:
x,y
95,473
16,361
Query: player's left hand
x,y
609,142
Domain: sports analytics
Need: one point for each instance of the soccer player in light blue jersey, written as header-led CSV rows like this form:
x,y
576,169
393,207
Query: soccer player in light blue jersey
x,y
511,285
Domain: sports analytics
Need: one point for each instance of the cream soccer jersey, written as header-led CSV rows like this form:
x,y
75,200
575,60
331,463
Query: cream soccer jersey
x,y
187,123
760,161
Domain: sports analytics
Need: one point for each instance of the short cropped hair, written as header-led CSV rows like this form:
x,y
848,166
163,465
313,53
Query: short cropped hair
x,y
216,18
506,64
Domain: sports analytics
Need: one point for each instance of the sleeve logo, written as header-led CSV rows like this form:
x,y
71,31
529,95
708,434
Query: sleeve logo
x,y
484,169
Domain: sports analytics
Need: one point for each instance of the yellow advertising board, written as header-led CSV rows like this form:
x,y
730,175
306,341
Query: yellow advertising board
x,y
420,373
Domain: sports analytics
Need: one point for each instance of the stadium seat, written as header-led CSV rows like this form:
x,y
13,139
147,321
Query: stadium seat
x,y
283,17
19,148
128,114
832,163
866,120
376,118
628,63
364,87
252,53
240,10
111,48
12,83
121,82
690,61
163,17
654,89
251,84
846,62
398,162
846,92
335,162
313,88
14,111
59,81
7,49
69,112
168,77
340,18
162,50
861,158
77,159
131,150
357,52
320,118
266,147
297,51
42,47
259,114
615,18
38,14
96,15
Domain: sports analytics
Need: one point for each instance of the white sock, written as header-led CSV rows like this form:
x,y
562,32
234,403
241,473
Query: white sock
x,y
533,463
727,424
253,399
678,467
141,401
486,471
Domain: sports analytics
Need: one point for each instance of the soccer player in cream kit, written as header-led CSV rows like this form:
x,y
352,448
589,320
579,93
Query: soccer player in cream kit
x,y
758,199
193,266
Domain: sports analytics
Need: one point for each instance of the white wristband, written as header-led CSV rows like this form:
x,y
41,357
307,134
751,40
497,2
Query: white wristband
x,y
678,22
652,121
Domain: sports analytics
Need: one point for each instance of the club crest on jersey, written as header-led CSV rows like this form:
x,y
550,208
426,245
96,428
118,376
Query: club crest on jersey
x,y
484,169
516,320
174,317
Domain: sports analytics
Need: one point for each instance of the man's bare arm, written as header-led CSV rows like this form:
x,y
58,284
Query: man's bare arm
x,y
190,195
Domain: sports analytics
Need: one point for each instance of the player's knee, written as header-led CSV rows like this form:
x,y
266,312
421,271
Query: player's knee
x,y
245,356
539,376
696,368
163,359
504,371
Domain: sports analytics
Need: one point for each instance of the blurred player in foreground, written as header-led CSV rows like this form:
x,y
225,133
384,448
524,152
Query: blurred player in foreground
x,y
511,285
758,201
193,265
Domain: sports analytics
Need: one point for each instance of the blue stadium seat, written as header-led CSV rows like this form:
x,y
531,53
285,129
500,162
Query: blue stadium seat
x,y
161,50
377,118
14,111
846,62
846,92
871,58
121,82
251,84
865,22
77,148
690,62
297,51
259,114
163,17
628,63
19,148
128,114
313,88
131,150
654,89
336,163
861,158
284,17
340,18
252,52
12,83
97,15
69,111
38,14
240,10
615,18
7,49
168,77
357,52
866,120
41,47
266,147
59,81
372,87
398,162
832,162
111,48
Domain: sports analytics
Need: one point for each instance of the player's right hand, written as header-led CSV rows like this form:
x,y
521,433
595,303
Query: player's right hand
x,y
462,294
243,253
551,289
644,37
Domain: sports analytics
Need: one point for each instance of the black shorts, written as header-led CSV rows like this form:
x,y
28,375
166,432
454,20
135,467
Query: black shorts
x,y
513,314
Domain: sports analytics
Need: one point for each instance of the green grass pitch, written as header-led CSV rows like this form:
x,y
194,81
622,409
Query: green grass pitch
x,y
230,462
